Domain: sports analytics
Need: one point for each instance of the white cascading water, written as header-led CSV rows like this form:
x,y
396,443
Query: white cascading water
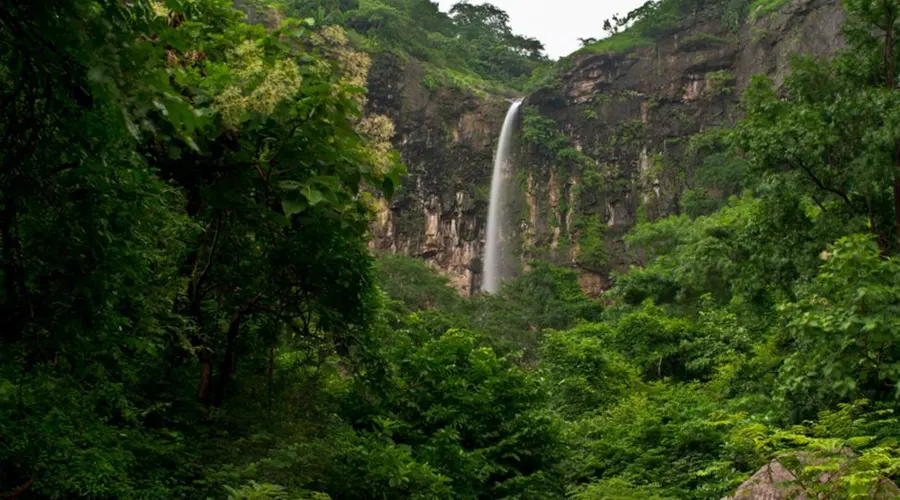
x,y
493,247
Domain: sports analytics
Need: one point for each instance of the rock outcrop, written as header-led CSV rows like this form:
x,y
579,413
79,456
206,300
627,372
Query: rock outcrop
x,y
774,481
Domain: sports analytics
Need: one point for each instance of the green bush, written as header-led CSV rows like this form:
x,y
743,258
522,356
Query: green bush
x,y
585,373
592,246
417,286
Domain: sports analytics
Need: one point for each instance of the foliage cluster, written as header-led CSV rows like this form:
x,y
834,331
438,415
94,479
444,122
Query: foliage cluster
x,y
703,39
618,43
760,8
471,47
543,134
720,82
592,252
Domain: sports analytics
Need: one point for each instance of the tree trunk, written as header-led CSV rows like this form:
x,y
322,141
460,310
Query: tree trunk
x,y
18,491
891,68
889,62
271,371
205,383
229,361
15,303
897,201
883,238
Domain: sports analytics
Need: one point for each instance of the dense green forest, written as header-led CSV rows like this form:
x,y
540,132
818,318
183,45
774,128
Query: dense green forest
x,y
190,308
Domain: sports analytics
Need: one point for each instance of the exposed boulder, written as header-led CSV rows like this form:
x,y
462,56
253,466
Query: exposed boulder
x,y
774,481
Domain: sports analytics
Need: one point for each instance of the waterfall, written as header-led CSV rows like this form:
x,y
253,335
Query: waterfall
x,y
493,247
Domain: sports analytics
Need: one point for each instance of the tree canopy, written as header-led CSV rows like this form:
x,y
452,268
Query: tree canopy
x,y
471,45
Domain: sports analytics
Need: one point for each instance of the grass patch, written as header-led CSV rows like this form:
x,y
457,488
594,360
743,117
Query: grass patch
x,y
760,8
720,82
437,77
618,43
659,19
703,40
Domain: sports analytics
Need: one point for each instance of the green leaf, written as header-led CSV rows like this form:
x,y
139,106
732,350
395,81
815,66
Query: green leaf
x,y
313,196
293,206
388,186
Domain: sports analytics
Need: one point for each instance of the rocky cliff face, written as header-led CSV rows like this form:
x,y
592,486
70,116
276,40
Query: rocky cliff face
x,y
628,115
446,138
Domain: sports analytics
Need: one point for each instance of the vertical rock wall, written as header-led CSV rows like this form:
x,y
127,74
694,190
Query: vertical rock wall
x,y
633,114
446,138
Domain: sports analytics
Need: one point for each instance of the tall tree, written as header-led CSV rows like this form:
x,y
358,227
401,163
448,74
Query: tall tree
x,y
837,125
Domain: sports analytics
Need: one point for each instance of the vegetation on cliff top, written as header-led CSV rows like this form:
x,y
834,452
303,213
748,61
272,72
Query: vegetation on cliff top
x,y
657,19
471,47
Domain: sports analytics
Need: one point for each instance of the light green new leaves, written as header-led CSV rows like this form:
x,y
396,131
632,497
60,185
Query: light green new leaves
x,y
845,325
